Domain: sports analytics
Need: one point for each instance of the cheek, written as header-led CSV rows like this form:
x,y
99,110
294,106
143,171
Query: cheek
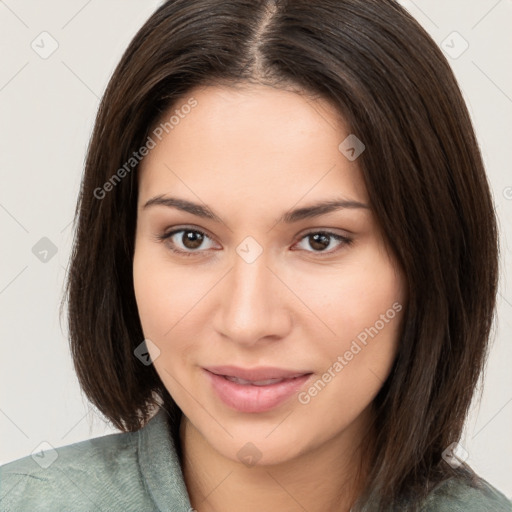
x,y
372,301
376,308
164,294
149,293
166,297
162,303
353,298
364,309
357,364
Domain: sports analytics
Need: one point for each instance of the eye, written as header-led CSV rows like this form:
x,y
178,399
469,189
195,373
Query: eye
x,y
187,243
321,240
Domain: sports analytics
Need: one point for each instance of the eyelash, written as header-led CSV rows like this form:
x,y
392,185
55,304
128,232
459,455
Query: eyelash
x,y
167,236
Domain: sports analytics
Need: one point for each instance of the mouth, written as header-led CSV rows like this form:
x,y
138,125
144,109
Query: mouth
x,y
256,375
256,394
266,382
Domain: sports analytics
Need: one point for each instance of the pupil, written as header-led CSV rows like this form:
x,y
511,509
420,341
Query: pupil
x,y
317,244
192,239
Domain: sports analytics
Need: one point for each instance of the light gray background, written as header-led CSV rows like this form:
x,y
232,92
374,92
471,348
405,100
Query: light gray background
x,y
47,108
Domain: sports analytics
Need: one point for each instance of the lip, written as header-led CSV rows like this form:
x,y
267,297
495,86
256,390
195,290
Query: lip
x,y
251,398
255,374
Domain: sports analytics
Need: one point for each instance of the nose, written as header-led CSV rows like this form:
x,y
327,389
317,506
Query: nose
x,y
253,303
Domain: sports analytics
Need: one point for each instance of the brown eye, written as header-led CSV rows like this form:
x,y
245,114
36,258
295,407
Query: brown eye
x,y
192,239
187,242
319,241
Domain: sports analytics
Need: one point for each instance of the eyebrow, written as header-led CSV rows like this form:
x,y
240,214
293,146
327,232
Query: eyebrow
x,y
289,217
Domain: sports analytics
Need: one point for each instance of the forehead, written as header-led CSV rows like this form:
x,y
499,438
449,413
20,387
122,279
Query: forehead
x,y
256,143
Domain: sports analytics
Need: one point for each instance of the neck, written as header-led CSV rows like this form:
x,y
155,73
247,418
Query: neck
x,y
327,478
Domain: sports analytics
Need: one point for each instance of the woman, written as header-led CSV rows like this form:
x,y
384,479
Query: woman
x,y
284,271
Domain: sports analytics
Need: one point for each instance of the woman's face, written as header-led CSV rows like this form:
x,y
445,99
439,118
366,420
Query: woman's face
x,y
258,279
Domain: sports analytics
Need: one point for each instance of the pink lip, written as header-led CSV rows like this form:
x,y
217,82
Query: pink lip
x,y
252,398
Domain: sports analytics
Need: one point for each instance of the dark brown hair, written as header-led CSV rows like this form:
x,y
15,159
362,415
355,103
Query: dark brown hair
x,y
424,175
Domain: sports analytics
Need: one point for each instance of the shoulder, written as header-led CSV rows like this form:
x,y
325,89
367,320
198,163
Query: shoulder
x,y
79,476
466,494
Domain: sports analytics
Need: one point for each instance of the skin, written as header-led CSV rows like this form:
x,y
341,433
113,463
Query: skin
x,y
251,154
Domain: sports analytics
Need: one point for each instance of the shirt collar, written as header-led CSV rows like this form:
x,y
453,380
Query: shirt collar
x,y
160,466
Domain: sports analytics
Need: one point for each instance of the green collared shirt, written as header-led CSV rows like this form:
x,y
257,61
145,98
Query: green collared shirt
x,y
140,472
